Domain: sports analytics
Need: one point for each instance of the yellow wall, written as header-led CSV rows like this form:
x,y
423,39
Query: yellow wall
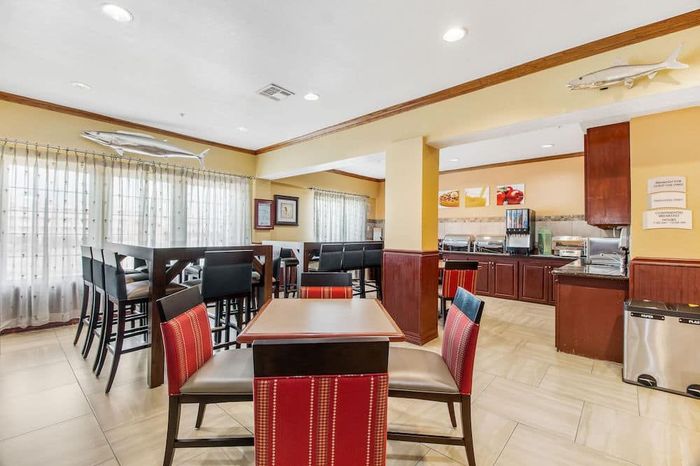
x,y
48,127
665,144
298,186
540,95
552,187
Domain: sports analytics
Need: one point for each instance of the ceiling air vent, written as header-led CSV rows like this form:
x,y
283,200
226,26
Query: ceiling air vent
x,y
275,92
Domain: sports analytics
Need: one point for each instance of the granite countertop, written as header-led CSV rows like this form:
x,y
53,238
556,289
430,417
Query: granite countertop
x,y
580,268
505,254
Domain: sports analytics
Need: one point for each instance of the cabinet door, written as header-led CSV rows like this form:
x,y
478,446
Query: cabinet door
x,y
533,282
551,284
607,180
505,280
483,279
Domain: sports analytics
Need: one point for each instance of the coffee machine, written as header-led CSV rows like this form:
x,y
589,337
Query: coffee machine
x,y
520,231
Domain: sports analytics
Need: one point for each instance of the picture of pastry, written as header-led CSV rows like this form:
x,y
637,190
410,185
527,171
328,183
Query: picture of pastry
x,y
448,198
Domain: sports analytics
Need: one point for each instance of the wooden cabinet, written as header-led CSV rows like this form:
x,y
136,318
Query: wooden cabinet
x,y
607,175
505,278
483,278
533,282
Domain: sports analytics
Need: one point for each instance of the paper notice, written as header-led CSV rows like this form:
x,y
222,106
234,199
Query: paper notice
x,y
666,183
672,219
667,200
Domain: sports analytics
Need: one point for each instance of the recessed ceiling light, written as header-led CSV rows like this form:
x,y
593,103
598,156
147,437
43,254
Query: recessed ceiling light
x,y
80,85
311,96
454,160
117,13
547,146
242,129
454,34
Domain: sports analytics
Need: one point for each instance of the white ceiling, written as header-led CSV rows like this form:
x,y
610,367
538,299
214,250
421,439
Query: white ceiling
x,y
207,59
525,140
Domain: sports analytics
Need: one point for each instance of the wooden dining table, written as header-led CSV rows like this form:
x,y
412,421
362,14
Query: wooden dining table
x,y
164,264
283,319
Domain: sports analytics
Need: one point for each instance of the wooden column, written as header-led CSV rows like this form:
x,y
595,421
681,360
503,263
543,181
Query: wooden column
x,y
410,275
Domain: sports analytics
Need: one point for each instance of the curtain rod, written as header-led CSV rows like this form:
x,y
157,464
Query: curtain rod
x,y
6,141
338,192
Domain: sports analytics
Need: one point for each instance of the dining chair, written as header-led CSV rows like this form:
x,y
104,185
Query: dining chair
x,y
330,259
456,274
195,373
320,402
447,377
88,293
125,303
353,261
98,300
373,255
326,285
227,280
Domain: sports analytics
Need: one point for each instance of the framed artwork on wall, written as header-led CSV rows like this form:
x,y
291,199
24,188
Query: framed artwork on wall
x,y
264,214
286,210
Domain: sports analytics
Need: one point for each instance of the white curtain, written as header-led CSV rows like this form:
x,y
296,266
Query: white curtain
x,y
339,216
54,201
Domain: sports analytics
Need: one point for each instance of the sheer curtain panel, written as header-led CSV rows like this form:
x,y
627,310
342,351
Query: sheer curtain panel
x,y
339,216
52,201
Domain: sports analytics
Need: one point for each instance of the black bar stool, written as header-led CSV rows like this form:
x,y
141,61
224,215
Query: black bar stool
x,y
373,255
353,260
330,258
88,294
288,268
98,301
228,276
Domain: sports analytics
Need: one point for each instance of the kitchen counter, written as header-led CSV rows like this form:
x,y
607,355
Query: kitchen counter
x,y
579,268
505,254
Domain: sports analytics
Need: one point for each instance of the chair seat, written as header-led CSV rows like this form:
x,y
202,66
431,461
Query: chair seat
x,y
227,372
132,277
194,269
193,282
256,277
419,370
142,289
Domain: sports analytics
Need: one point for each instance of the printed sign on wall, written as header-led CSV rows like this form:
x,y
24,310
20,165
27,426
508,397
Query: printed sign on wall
x,y
676,219
666,184
667,200
667,204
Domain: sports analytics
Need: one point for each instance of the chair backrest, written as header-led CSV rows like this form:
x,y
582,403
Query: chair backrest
x,y
115,277
98,273
459,274
326,285
287,254
186,335
86,261
321,401
227,274
373,255
459,339
331,258
353,256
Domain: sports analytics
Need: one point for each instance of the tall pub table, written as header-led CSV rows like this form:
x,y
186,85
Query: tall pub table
x,y
164,264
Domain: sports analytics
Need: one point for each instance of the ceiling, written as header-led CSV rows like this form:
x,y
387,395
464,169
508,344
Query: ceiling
x,y
195,67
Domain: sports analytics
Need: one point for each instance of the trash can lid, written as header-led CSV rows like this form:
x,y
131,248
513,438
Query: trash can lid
x,y
688,311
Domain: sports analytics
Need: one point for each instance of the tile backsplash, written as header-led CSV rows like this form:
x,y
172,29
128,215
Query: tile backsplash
x,y
559,225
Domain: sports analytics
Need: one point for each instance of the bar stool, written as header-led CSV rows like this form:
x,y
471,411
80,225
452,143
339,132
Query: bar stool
x,y
330,258
353,261
124,297
326,285
98,301
86,261
373,255
288,268
228,276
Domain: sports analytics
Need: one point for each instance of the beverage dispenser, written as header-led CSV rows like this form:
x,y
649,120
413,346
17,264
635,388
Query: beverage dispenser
x,y
520,231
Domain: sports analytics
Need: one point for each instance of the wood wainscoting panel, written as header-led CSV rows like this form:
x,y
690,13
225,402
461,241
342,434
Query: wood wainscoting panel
x,y
667,280
410,283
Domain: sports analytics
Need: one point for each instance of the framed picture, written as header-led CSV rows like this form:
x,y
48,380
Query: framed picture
x,y
476,197
510,194
448,198
264,214
286,210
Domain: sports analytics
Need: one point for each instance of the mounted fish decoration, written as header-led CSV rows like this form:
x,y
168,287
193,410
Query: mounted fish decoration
x,y
143,144
625,74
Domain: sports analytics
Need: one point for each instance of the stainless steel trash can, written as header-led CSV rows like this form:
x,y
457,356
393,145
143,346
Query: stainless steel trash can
x,y
661,346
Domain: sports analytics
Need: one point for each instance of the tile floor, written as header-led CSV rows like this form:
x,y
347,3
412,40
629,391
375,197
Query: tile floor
x,y
531,406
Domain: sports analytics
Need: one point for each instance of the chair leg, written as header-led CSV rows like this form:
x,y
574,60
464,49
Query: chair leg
x,y
227,322
467,429
363,291
173,427
83,313
451,409
94,318
378,282
200,415
443,307
117,346
105,337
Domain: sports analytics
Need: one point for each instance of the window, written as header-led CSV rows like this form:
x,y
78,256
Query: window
x,y
339,216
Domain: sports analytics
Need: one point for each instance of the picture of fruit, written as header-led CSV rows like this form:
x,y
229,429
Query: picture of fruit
x,y
513,194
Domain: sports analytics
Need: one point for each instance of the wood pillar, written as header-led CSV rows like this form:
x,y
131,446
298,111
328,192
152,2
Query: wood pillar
x,y
410,275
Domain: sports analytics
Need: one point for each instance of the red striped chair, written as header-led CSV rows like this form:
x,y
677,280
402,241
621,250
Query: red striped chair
x,y
457,274
326,285
447,377
328,412
195,373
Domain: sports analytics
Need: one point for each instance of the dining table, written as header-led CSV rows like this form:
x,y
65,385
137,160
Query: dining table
x,y
285,319
165,263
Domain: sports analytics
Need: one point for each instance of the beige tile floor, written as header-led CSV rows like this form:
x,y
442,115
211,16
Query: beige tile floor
x,y
531,406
